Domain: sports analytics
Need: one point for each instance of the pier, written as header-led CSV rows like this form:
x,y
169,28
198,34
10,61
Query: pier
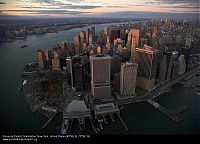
x,y
158,90
170,114
122,122
46,124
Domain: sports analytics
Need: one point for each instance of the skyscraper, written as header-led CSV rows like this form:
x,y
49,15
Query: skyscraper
x,y
128,76
82,37
136,34
181,65
100,66
77,44
147,60
114,33
78,76
48,56
41,59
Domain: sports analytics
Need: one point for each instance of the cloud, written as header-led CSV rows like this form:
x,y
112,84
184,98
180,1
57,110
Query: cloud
x,y
47,12
2,3
159,2
68,6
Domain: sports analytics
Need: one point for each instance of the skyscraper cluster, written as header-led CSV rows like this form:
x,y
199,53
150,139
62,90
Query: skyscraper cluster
x,y
120,59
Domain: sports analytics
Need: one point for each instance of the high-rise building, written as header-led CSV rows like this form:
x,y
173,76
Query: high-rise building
x,y
175,65
77,44
48,55
93,31
143,42
147,60
188,42
181,64
128,76
87,35
56,63
82,37
41,59
114,33
187,52
100,66
64,46
117,82
154,30
136,34
69,70
78,75
165,67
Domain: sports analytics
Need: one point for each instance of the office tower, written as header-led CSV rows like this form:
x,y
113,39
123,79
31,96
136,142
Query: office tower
x,y
85,63
175,65
69,71
77,44
82,37
188,42
41,59
64,46
106,31
187,52
87,35
100,66
133,46
147,60
56,63
169,61
78,75
48,55
154,30
122,34
92,29
98,50
90,39
128,76
181,65
108,46
115,65
143,42
165,67
162,69
114,33
116,83
56,54
129,41
125,55
136,34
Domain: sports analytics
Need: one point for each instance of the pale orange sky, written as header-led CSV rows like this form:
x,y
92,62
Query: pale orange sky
x,y
93,7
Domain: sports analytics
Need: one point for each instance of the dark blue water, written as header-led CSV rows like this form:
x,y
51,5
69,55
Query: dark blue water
x,y
140,118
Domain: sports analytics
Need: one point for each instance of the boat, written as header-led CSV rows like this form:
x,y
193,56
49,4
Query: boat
x,y
23,46
65,126
24,82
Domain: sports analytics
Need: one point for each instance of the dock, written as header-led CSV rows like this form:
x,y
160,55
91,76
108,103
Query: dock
x,y
169,114
50,119
122,122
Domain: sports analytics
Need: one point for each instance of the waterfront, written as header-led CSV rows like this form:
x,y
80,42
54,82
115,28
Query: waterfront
x,y
140,117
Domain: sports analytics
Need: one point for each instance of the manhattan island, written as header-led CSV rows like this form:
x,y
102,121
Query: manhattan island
x,y
91,77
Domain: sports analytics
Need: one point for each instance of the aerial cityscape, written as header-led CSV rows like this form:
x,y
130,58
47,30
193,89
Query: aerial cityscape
x,y
99,67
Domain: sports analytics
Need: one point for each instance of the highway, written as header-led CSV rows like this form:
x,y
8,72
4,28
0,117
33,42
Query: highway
x,y
158,90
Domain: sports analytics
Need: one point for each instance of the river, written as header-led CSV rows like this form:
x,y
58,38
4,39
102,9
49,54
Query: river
x,y
140,118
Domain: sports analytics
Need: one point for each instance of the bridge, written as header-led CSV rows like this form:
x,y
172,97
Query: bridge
x,y
158,90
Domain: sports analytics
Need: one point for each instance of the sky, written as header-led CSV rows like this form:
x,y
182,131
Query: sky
x,y
97,8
